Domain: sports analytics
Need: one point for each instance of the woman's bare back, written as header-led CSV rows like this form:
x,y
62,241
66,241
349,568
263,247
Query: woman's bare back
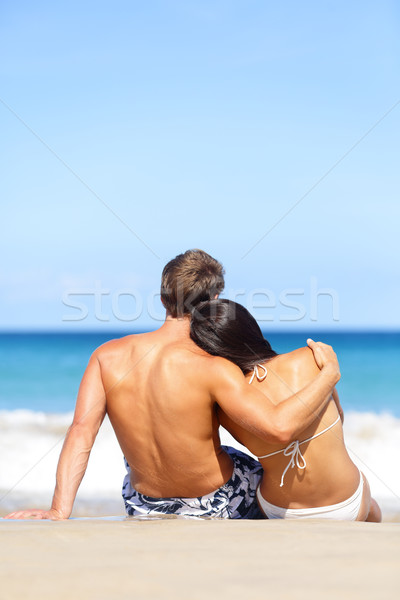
x,y
329,476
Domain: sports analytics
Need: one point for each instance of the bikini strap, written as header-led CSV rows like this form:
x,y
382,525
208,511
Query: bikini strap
x,y
256,373
321,432
293,450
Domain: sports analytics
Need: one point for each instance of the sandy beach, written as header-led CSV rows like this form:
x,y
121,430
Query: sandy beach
x,y
174,558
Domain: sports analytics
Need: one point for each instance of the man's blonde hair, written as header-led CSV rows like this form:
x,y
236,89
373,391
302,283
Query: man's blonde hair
x,y
188,279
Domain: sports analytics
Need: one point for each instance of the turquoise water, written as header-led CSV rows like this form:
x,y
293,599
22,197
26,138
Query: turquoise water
x,y
369,364
41,372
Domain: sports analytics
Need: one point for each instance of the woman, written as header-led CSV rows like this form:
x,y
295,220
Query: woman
x,y
313,477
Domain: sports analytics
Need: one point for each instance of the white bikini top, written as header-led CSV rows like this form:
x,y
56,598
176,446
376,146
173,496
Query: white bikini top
x,y
292,450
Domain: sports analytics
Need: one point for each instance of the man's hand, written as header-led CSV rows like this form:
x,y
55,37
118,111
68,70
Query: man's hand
x,y
33,513
325,357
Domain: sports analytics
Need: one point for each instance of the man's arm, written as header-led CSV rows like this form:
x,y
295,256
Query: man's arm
x,y
335,394
283,422
90,411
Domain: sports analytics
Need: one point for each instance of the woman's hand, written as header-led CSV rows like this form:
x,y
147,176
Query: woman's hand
x,y
325,357
34,513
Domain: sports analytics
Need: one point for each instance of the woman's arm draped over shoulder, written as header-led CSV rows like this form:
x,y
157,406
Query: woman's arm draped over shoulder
x,y
90,411
283,422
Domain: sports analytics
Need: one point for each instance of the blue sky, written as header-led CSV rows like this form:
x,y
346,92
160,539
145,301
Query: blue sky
x,y
264,133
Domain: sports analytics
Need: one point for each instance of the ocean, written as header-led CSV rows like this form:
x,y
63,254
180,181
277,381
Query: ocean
x,y
39,380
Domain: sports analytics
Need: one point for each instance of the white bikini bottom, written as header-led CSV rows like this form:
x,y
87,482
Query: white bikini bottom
x,y
343,511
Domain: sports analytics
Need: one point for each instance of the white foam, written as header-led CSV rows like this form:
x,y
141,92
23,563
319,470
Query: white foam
x,y
373,442
30,444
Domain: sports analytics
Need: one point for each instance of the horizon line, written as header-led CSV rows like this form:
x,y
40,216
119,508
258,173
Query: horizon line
x,y
323,329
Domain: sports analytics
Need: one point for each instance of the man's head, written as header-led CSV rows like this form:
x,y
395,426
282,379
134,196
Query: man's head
x,y
188,279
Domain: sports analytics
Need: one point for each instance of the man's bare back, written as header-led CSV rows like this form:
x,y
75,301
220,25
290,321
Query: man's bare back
x,y
164,418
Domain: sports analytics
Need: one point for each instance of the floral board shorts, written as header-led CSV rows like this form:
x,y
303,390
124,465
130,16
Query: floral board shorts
x,y
236,499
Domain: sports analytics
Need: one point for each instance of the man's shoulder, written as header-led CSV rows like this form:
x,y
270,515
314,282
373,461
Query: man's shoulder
x,y
117,345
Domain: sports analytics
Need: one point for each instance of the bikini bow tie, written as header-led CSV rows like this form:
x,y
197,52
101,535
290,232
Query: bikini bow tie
x,y
256,373
296,458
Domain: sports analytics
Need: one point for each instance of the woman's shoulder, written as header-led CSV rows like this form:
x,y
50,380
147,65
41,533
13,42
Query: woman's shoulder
x,y
298,362
302,355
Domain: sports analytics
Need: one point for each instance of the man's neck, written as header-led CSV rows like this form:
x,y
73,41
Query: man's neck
x,y
176,328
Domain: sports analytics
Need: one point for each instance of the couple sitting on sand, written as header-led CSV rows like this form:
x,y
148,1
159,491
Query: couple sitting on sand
x,y
167,392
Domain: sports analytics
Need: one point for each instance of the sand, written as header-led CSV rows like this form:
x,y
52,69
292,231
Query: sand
x,y
193,559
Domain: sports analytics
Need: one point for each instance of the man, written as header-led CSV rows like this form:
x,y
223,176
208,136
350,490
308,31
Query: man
x,y
161,392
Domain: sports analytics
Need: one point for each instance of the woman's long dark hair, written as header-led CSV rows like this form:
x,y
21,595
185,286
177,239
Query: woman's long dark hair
x,y
225,328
